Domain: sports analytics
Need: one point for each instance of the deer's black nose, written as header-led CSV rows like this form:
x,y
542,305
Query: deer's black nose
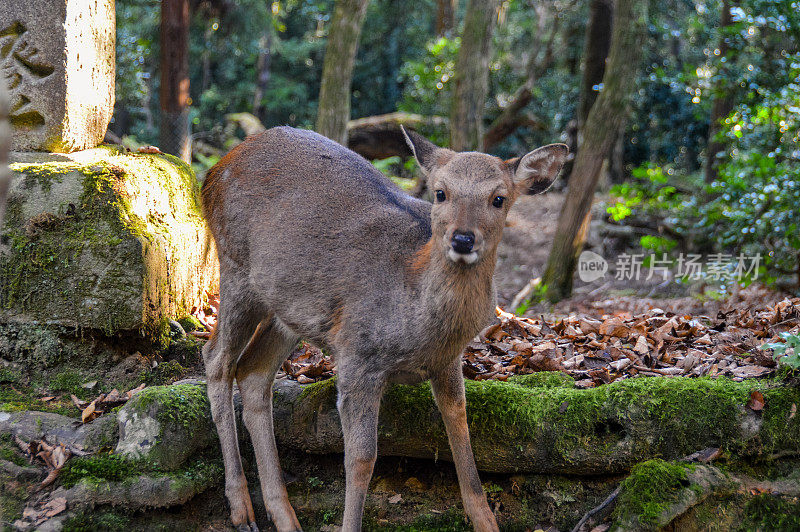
x,y
463,241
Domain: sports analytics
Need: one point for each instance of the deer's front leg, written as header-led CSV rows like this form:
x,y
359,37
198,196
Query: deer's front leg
x,y
359,398
448,391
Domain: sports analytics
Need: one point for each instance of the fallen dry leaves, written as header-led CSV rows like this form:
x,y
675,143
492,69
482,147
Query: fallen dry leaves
x,y
103,403
599,350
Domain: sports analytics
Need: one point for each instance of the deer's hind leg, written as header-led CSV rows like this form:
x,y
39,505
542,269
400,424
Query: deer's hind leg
x,y
255,375
237,323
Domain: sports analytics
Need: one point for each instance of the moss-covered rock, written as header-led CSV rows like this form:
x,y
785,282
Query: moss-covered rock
x,y
103,239
165,425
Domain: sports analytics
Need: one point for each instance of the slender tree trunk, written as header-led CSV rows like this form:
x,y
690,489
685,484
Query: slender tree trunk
x,y
722,104
337,71
5,146
174,94
262,73
472,76
445,17
597,44
595,53
600,131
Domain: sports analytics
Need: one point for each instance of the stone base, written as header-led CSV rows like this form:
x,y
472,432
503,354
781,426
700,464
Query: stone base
x,y
103,239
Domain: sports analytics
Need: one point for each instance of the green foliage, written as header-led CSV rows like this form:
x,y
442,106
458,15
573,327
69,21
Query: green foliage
x,y
790,341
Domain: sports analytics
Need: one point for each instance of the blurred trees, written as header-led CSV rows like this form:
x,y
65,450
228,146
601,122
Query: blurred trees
x,y
174,91
471,81
337,73
541,72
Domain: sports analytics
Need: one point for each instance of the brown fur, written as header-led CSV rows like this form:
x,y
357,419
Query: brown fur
x,y
315,243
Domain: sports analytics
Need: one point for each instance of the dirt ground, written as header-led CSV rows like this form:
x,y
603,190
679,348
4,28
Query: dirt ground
x,y
525,247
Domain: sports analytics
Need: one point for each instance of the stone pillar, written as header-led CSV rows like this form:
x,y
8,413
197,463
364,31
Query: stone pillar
x,y
57,58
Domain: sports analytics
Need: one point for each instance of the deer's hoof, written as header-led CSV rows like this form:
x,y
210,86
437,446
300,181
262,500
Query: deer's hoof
x,y
249,527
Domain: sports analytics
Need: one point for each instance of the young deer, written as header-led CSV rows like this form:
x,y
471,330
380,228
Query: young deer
x,y
315,243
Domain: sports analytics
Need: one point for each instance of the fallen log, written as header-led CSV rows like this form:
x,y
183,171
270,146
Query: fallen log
x,y
559,429
379,137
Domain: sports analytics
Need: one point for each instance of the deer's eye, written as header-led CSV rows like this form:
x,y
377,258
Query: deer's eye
x,y
440,196
498,201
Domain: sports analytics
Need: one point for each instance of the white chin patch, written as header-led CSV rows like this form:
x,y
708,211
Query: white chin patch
x,y
469,258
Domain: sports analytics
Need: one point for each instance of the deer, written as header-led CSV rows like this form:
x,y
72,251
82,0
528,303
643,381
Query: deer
x,y
315,243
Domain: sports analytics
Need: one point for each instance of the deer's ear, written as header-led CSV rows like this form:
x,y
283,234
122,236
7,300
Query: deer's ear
x,y
427,154
535,171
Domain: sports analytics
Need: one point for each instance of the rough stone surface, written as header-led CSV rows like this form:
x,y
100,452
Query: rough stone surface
x,y
57,59
55,429
103,239
165,425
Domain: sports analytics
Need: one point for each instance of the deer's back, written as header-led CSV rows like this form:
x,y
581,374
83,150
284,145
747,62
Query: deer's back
x,y
302,213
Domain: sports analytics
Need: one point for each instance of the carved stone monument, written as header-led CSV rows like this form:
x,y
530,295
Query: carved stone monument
x,y
57,59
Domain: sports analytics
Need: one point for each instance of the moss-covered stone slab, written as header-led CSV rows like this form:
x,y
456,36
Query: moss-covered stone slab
x,y
103,239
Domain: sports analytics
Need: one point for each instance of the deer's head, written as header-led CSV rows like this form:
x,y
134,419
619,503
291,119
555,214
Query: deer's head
x,y
473,193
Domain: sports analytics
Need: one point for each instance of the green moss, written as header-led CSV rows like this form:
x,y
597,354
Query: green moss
x,y
768,512
190,323
9,376
66,381
20,397
186,349
12,500
10,452
649,490
99,468
546,379
184,404
164,373
654,415
86,521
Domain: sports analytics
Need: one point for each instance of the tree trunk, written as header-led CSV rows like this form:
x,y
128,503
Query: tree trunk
x,y
445,17
723,104
472,76
337,72
600,131
262,73
597,44
5,145
174,94
595,52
